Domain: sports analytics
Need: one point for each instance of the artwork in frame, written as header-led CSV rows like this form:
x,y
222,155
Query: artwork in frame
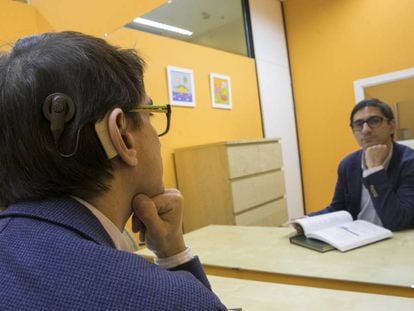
x,y
220,87
181,90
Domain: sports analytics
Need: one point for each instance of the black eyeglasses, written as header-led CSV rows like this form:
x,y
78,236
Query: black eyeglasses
x,y
157,113
373,122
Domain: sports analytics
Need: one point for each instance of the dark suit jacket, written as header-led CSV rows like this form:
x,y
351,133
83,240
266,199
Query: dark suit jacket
x,y
55,255
391,191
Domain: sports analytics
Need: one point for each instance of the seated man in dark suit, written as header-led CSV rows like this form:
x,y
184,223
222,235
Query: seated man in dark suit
x,y
376,183
78,157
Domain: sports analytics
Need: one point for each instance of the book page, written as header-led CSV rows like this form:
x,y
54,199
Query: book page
x,y
351,235
315,223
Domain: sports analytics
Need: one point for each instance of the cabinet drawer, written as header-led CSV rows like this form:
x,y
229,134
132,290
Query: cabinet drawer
x,y
271,214
255,190
247,159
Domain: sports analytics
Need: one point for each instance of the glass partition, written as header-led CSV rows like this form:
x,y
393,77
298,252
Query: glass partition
x,y
396,89
218,24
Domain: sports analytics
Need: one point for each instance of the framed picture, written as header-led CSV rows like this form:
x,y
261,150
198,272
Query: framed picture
x,y
181,90
220,87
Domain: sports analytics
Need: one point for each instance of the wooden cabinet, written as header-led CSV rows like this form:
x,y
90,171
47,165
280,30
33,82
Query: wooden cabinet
x,y
233,183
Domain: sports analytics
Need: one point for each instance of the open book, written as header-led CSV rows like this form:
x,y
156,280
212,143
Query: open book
x,y
338,230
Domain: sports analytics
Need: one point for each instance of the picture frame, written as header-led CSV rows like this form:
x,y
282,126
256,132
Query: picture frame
x,y
181,91
220,87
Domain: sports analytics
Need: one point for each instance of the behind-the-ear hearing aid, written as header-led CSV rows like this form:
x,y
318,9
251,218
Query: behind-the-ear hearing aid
x,y
58,108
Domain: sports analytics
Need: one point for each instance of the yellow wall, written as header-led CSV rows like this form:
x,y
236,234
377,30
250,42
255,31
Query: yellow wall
x,y
202,124
17,20
331,44
95,17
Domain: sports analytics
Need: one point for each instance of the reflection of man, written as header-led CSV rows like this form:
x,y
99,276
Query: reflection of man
x,y
78,157
376,183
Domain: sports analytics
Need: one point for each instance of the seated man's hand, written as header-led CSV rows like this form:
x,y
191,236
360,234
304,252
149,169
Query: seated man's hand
x,y
159,222
376,155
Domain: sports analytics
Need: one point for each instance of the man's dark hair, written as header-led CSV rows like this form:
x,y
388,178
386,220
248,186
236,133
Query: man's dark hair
x,y
97,77
373,102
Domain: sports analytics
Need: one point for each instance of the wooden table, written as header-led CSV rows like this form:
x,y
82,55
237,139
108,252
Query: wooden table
x,y
265,254
261,296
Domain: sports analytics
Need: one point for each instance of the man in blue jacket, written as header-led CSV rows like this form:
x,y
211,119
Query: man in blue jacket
x,y
376,183
78,157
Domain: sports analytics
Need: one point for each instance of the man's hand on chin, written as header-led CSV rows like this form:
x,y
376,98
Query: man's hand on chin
x,y
159,221
375,155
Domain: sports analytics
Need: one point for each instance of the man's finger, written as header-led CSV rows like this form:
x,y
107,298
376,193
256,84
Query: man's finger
x,y
137,224
146,211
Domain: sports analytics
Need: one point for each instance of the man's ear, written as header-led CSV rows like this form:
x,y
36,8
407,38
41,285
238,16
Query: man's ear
x,y
121,138
393,125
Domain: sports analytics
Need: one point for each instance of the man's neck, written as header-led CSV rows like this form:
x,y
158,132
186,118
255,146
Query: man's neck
x,y
115,208
115,203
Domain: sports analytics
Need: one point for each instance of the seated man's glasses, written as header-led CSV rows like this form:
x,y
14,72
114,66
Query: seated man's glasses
x,y
159,115
373,122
